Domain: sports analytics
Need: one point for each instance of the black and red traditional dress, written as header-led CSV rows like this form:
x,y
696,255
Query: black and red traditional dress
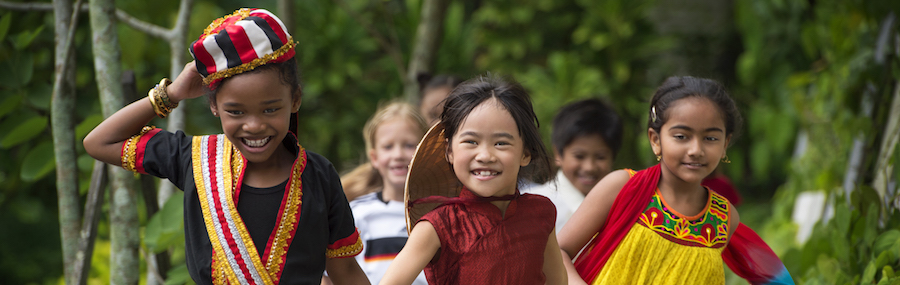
x,y
236,234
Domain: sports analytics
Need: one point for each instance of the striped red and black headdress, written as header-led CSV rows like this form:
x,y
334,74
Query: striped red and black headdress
x,y
240,42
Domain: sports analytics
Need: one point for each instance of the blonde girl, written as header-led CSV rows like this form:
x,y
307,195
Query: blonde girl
x,y
391,136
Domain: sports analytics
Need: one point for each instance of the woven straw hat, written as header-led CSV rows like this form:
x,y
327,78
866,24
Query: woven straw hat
x,y
430,174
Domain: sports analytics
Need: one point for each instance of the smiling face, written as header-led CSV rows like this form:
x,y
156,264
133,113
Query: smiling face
x,y
394,145
255,110
692,140
585,161
486,151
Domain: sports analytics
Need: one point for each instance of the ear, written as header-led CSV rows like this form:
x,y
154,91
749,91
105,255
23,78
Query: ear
x,y
557,157
654,141
214,109
449,152
727,141
526,158
296,100
372,155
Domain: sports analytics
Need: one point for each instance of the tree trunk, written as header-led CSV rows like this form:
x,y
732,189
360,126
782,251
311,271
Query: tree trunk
x,y
428,40
92,206
286,13
883,166
124,263
62,116
175,120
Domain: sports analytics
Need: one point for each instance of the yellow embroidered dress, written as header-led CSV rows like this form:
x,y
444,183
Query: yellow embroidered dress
x,y
666,247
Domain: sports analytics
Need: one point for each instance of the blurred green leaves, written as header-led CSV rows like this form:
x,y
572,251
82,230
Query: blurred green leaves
x,y
166,228
24,131
810,65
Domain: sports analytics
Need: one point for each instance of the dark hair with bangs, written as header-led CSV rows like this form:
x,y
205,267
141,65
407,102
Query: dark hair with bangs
x,y
678,87
584,118
513,97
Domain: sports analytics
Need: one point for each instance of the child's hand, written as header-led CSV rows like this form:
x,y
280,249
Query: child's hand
x,y
188,85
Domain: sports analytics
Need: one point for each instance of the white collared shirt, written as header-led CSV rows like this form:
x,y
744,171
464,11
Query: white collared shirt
x,y
562,193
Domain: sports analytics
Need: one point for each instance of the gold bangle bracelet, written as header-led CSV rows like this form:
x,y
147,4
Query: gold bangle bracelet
x,y
154,101
164,94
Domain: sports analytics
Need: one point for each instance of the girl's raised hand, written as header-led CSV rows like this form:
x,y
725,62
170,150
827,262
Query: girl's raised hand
x,y
188,85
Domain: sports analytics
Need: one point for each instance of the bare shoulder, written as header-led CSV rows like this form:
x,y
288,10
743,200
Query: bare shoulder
x,y
425,235
589,220
610,185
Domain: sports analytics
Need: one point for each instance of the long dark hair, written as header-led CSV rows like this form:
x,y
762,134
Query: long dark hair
x,y
512,96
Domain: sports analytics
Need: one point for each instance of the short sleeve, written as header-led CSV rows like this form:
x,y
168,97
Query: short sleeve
x,y
440,221
159,153
343,239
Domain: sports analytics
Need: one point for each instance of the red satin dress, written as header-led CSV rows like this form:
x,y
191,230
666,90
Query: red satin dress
x,y
479,246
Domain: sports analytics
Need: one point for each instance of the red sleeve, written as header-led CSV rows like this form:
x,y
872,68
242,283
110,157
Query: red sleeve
x,y
346,247
133,150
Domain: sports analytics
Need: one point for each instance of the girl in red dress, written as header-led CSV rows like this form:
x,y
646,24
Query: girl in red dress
x,y
468,222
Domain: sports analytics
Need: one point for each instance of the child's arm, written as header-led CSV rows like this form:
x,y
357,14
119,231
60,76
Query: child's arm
x,y
734,219
554,269
345,271
420,248
105,142
588,219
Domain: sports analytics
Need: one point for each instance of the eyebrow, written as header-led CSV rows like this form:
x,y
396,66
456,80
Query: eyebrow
x,y
503,135
683,127
233,104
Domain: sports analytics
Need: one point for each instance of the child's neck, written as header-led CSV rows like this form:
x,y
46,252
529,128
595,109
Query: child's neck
x,y
389,192
271,172
502,205
685,198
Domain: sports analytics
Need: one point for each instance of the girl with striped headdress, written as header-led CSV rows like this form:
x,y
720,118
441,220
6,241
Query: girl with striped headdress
x,y
258,207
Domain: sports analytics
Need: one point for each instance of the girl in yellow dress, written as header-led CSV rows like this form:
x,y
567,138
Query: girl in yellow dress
x,y
660,225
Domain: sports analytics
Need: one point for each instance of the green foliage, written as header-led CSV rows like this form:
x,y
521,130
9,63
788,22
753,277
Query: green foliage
x,y
850,248
24,131
811,82
166,228
38,162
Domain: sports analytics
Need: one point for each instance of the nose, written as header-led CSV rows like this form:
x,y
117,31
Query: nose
x,y
590,164
253,125
484,155
397,153
695,149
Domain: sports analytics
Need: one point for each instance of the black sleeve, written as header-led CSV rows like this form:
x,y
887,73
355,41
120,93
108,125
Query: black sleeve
x,y
168,155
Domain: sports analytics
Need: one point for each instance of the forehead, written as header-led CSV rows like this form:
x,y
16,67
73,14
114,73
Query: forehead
x,y
489,117
697,113
436,94
255,87
587,143
396,129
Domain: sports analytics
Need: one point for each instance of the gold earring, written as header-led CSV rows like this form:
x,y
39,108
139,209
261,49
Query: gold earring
x,y
725,159
658,157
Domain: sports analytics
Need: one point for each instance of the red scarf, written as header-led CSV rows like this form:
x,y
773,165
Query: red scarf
x,y
746,254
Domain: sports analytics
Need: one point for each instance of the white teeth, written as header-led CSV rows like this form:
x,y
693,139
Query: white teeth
x,y
485,173
256,143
